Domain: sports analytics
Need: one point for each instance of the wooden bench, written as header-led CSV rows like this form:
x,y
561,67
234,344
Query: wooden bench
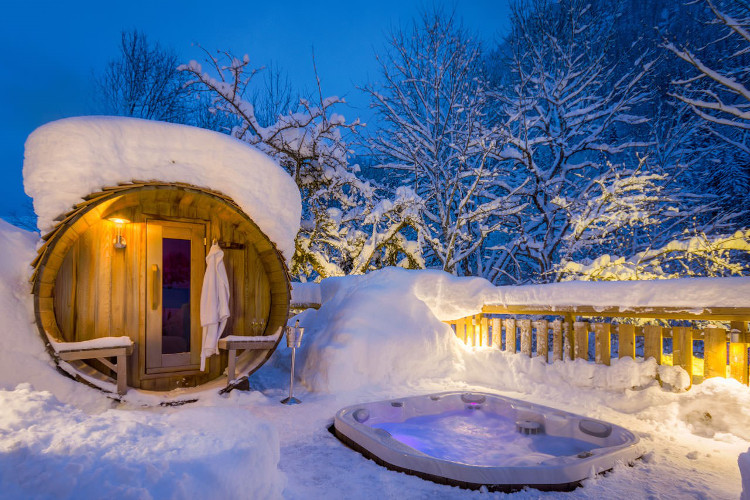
x,y
234,343
72,351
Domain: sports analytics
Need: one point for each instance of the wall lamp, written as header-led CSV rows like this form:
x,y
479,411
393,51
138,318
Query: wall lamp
x,y
119,240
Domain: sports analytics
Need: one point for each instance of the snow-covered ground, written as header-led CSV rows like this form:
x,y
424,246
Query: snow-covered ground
x,y
374,337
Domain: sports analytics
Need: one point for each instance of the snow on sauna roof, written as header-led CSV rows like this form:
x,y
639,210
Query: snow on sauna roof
x,y
68,159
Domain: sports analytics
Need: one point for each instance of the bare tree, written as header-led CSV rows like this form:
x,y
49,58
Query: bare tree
x,y
143,82
436,138
274,96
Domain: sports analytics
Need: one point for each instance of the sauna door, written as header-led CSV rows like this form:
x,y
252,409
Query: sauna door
x,y
175,264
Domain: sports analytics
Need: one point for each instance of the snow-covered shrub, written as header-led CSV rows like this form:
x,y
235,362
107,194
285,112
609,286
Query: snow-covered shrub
x,y
699,255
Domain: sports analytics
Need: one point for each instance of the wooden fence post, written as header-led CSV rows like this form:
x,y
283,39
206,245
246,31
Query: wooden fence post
x,y
497,335
471,331
460,329
682,349
557,340
568,337
738,361
525,326
485,331
714,353
542,340
625,341
652,343
603,337
582,339
510,335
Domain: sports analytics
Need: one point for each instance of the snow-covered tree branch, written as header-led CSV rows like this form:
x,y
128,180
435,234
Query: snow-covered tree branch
x,y
697,255
718,91
347,227
560,109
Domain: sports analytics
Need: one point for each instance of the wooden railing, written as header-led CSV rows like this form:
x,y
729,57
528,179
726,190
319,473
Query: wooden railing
x,y
597,334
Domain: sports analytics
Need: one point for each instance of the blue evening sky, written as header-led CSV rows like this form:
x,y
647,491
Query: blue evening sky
x,y
52,49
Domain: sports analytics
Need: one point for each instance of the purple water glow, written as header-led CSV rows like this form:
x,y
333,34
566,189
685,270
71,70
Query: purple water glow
x,y
477,437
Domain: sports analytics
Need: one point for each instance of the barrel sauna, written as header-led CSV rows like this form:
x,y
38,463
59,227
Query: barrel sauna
x,y
129,261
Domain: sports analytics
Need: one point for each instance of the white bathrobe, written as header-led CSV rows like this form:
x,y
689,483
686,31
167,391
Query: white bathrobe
x,y
214,303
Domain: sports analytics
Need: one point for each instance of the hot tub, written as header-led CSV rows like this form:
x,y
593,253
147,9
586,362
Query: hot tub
x,y
477,439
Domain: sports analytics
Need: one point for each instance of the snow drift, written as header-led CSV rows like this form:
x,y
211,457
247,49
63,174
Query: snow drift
x,y
372,331
385,329
191,453
68,159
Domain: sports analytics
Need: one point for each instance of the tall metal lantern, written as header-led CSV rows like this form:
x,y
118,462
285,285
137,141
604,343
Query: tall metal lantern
x,y
293,340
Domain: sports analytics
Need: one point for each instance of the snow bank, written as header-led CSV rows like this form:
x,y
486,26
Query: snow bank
x,y
384,329
52,450
68,159
371,331
376,335
450,297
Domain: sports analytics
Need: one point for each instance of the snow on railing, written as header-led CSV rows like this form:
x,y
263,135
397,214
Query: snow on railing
x,y
581,332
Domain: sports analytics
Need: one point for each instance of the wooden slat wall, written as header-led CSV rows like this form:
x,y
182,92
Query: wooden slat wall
x,y
497,334
653,342
715,353
557,340
95,290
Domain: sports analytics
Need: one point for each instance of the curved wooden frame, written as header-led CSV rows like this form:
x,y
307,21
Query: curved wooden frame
x,y
61,239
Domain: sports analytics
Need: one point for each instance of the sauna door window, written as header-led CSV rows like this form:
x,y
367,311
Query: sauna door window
x,y
175,264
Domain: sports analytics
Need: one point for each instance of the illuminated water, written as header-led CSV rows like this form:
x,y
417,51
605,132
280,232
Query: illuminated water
x,y
476,437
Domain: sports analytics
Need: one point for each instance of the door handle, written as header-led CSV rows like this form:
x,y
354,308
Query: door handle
x,y
155,284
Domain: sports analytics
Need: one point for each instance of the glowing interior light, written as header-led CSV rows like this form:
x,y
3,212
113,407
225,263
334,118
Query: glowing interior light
x,y
119,240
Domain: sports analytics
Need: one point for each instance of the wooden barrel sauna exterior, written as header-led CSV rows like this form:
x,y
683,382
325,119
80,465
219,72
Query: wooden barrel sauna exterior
x,y
85,287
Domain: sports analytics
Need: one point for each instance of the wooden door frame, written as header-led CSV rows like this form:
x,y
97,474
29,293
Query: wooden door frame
x,y
154,362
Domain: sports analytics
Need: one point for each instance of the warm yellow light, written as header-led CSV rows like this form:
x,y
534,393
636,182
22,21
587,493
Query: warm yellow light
x,y
118,220
119,241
